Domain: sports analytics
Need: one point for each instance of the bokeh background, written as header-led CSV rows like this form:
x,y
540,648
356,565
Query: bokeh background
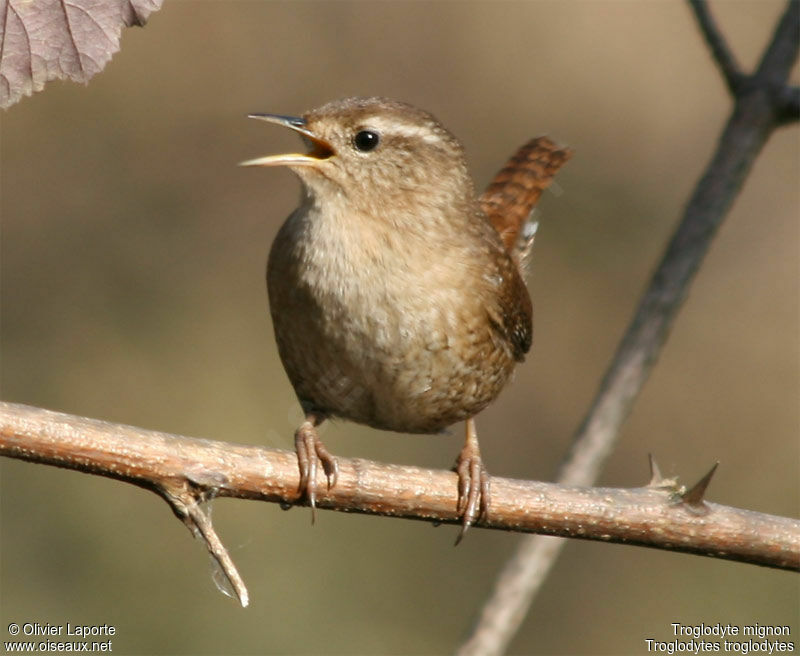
x,y
133,254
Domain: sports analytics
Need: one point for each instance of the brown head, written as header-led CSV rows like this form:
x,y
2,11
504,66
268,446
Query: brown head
x,y
378,153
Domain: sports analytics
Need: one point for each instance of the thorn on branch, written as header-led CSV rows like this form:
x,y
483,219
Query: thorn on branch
x,y
693,497
657,479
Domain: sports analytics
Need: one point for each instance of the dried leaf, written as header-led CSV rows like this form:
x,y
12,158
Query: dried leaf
x,y
43,40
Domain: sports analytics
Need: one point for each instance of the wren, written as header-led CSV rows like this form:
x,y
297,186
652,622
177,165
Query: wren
x,y
397,295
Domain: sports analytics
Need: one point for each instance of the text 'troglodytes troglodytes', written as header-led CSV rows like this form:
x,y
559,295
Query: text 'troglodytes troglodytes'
x,y
396,294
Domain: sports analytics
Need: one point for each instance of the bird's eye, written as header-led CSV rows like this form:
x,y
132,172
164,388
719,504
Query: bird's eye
x,y
366,140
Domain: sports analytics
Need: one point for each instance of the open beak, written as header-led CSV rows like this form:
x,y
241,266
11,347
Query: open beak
x,y
320,149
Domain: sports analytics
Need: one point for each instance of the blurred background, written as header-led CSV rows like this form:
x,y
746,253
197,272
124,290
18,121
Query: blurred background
x,y
133,259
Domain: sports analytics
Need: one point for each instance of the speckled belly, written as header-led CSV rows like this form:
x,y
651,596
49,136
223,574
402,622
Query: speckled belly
x,y
387,368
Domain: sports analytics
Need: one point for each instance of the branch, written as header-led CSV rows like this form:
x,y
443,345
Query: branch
x,y
776,65
788,100
188,471
763,103
726,61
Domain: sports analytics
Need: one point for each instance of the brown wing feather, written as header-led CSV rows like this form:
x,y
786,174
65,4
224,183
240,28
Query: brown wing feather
x,y
515,190
514,320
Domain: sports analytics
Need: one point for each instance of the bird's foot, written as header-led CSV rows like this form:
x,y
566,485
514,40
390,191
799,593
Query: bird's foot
x,y
310,451
473,482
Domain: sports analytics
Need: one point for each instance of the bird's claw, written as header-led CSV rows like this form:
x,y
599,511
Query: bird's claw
x,y
310,451
473,487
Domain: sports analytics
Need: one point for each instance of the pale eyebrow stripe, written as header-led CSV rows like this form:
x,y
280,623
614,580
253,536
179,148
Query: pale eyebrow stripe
x,y
426,132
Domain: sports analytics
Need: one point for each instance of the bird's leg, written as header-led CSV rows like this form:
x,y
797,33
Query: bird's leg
x,y
473,482
310,450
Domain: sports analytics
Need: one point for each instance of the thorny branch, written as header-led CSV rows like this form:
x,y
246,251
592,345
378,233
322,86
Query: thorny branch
x,y
762,102
187,472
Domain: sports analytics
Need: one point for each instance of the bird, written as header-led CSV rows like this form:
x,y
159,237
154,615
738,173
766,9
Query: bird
x,y
397,294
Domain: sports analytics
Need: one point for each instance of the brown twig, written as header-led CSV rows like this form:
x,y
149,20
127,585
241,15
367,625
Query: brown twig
x,y
188,471
763,102
187,503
